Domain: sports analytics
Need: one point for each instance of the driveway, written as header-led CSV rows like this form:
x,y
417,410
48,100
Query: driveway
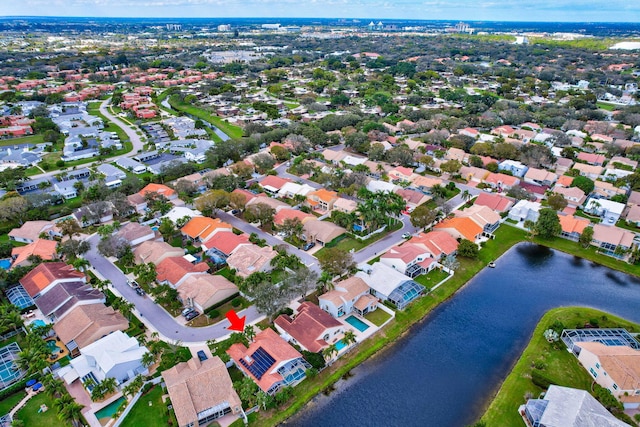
x,y
154,315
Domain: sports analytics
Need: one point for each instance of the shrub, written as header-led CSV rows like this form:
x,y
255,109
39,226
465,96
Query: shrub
x,y
540,380
213,313
316,360
236,302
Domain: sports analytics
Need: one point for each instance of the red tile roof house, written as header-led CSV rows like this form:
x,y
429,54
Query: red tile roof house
x,y
494,201
400,174
271,362
438,243
409,259
226,242
202,290
348,295
285,214
592,159
48,274
173,270
248,259
501,181
272,184
201,229
610,239
461,228
136,233
313,329
45,249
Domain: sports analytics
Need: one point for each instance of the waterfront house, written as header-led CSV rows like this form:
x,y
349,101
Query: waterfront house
x,y
494,202
525,210
572,226
612,241
461,228
311,328
348,295
390,285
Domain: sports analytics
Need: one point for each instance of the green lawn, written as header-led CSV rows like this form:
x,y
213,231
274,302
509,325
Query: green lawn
x,y
347,243
9,402
229,129
30,417
377,317
557,364
606,106
142,414
432,278
31,139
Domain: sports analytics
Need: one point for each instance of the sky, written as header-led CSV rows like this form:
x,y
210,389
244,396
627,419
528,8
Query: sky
x,y
475,10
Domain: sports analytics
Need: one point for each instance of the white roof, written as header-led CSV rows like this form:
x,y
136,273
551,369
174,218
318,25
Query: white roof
x,y
376,186
611,207
354,161
107,352
180,212
295,188
382,278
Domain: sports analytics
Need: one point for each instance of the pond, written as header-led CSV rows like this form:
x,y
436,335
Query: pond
x,y
446,371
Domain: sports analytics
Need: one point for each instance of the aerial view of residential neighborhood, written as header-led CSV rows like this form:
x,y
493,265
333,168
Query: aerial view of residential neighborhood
x,y
225,213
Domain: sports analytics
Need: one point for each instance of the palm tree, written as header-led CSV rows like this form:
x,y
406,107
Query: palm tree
x,y
55,389
325,281
72,413
126,308
148,359
61,403
80,264
329,352
466,196
349,338
101,285
109,385
250,332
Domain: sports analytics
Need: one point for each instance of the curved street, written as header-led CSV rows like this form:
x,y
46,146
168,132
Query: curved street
x,y
153,315
131,133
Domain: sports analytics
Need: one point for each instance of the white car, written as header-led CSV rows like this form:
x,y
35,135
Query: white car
x,y
406,235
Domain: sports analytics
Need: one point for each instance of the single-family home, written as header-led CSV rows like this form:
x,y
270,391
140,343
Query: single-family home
x,y
223,244
270,361
401,174
425,183
612,241
590,171
592,158
377,186
573,226
160,189
292,189
525,210
48,274
321,232
154,252
136,233
345,205
173,270
291,214
632,215
201,391
115,356
608,210
86,324
473,174
564,406
485,217
438,243
540,177
322,200
607,190
348,295
461,228
272,184
31,231
311,328
201,228
494,202
390,285
412,198
409,259
516,168
45,249
250,258
573,195
64,297
457,154
275,204
202,290
501,181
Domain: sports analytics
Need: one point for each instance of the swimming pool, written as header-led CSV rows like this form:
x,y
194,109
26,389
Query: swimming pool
x,y
53,347
38,322
5,263
154,228
340,345
357,323
108,411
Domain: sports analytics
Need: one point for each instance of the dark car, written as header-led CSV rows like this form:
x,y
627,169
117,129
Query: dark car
x,y
192,315
308,246
140,292
188,310
202,356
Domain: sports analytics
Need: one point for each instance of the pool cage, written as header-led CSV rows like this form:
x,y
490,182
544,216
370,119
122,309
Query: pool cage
x,y
9,372
19,297
608,337
6,421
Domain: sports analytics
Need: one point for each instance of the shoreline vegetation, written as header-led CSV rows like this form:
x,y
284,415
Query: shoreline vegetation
x,y
506,237
550,361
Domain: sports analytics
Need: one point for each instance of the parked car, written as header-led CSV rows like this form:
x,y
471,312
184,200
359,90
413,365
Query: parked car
x,y
133,284
406,235
192,315
308,246
140,292
234,212
202,356
187,310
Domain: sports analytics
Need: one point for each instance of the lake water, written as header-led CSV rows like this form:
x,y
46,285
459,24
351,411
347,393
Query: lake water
x,y
447,369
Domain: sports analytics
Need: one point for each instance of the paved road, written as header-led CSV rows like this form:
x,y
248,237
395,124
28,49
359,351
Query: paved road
x,y
152,313
282,173
133,136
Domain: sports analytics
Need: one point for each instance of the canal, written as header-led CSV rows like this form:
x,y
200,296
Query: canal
x,y
446,370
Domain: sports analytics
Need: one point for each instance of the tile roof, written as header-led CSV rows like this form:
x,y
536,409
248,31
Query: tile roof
x,y
437,242
308,327
274,182
226,241
154,252
323,231
324,195
47,273
407,252
565,180
173,269
501,178
250,258
493,201
134,231
202,289
613,235
346,290
622,363
87,323
202,226
163,190
272,343
572,224
63,296
31,229
45,249
481,215
464,226
282,215
195,386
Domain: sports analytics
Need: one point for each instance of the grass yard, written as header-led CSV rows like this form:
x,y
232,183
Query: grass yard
x,y
432,278
30,416
9,402
556,362
226,127
348,243
31,139
606,106
377,317
143,414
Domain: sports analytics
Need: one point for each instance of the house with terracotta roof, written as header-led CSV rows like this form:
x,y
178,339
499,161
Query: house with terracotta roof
x,y
86,324
632,215
250,258
345,205
590,171
173,270
461,228
322,200
573,195
614,367
564,181
202,290
48,274
162,190
425,183
273,183
572,226
540,177
246,193
275,204
613,241
412,198
485,217
201,391
31,231
494,202
400,174
45,249
349,295
409,259
270,361
63,297
138,202
501,181
136,233
311,328
290,214
592,158
223,244
201,228
457,154
438,243
321,232
390,285
607,190
155,252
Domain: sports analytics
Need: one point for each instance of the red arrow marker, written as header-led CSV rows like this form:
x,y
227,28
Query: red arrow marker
x,y
237,323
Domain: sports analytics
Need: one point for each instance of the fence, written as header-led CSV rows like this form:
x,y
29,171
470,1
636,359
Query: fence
x,y
130,405
373,233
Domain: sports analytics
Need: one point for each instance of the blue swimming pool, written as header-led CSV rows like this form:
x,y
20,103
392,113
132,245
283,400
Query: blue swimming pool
x,y
357,323
5,263
38,322
154,228
53,347
340,345
110,409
